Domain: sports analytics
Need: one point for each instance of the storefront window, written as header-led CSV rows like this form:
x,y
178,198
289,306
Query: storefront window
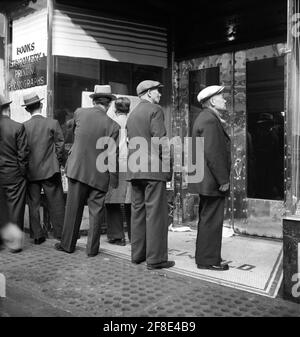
x,y
73,76
265,128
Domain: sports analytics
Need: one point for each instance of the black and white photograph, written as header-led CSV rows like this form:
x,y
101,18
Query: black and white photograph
x,y
149,163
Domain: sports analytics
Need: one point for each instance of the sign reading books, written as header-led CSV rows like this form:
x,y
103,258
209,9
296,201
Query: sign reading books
x,y
28,64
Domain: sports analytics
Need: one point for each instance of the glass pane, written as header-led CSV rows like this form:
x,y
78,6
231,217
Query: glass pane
x,y
75,75
72,77
265,128
199,79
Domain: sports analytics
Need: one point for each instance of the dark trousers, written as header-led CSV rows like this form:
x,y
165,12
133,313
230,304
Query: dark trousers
x,y
78,195
53,190
210,226
149,221
16,199
114,220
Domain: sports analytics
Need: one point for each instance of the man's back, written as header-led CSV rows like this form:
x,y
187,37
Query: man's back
x,y
14,149
147,121
46,144
90,124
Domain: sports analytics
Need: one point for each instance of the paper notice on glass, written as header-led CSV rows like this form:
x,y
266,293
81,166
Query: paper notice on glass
x,y
86,101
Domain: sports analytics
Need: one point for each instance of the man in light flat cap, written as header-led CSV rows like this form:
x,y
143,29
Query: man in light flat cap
x,y
46,145
149,212
86,183
215,184
14,154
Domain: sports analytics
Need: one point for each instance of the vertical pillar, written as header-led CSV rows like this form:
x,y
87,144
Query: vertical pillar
x,y
50,61
3,41
177,177
291,222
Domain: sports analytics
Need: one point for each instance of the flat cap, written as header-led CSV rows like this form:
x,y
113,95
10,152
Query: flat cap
x,y
208,92
146,85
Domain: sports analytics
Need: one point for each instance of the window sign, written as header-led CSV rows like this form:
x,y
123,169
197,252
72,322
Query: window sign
x,y
28,64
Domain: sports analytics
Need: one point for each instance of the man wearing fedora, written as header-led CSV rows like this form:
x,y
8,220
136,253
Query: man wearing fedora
x,y
215,184
14,154
88,184
149,217
46,144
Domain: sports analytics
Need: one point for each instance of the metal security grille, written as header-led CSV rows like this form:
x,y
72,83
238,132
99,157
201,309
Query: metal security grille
x,y
91,36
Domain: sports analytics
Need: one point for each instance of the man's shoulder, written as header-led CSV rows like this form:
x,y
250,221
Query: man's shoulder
x,y
206,115
13,123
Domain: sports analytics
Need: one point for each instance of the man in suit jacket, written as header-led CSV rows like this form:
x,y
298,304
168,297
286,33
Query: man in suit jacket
x,y
14,154
215,184
46,144
149,217
10,234
87,181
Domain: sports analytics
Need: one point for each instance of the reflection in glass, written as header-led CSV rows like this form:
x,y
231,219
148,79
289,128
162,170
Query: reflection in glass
x,y
265,129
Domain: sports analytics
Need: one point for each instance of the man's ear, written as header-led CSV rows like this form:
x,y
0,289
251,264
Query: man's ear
x,y
212,101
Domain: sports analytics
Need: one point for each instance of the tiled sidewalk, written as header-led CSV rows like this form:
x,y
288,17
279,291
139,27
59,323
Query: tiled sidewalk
x,y
53,283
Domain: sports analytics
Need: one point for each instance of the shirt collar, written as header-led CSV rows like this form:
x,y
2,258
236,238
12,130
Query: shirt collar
x,y
37,114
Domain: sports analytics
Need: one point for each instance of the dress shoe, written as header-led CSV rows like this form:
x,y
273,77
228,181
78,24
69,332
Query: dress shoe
x,y
39,241
92,255
15,251
57,246
138,261
119,242
166,264
220,267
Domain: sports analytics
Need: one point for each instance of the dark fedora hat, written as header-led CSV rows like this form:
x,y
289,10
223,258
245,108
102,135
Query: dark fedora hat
x,y
4,101
31,98
103,91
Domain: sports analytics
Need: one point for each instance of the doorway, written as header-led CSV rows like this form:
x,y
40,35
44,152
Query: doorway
x,y
254,91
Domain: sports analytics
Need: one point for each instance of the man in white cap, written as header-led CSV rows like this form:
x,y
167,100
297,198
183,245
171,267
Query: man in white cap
x,y
86,183
46,145
149,208
215,184
14,154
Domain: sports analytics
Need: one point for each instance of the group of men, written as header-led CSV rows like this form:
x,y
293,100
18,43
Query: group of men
x,y
33,157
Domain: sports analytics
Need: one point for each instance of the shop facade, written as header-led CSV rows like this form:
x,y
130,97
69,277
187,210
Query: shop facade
x,y
62,51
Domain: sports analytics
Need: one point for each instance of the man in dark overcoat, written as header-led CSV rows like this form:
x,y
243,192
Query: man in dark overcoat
x,y
10,234
215,184
46,145
89,181
149,208
14,154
